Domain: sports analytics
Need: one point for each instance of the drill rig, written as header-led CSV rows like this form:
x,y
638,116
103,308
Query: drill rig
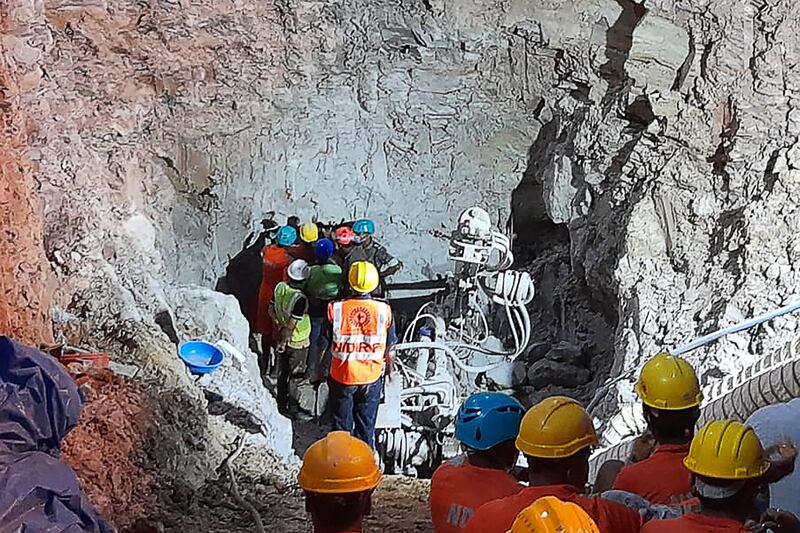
x,y
449,344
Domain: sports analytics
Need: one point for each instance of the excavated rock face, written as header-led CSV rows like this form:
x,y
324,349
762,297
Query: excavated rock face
x,y
644,152
25,300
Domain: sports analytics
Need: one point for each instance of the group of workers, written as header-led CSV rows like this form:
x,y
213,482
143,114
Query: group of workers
x,y
713,480
320,317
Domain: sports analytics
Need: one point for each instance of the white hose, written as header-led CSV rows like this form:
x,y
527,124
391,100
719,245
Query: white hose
x,y
450,352
513,328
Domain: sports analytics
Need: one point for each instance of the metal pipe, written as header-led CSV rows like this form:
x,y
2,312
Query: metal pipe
x,y
417,285
747,324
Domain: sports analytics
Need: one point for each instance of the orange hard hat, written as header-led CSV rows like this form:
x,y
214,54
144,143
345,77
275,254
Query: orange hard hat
x,y
551,515
339,463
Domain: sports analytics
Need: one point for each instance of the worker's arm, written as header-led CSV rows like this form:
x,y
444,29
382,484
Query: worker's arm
x,y
391,340
778,521
389,265
392,270
781,457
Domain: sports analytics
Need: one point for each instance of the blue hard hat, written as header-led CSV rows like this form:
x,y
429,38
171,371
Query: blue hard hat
x,y
324,248
286,236
364,225
487,419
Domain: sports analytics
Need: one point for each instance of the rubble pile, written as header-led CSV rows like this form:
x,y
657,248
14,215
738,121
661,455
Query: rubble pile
x,y
105,448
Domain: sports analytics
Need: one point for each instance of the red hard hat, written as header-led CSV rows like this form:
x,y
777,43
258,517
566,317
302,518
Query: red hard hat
x,y
344,235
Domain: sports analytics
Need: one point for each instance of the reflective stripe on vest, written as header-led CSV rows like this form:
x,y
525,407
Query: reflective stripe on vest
x,y
285,299
360,335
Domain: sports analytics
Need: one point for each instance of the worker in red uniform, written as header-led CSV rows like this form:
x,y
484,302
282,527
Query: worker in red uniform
x,y
671,395
556,437
345,240
486,425
338,477
276,258
728,466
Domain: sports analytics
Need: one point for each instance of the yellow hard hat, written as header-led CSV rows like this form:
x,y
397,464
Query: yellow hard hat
x,y
363,277
555,428
309,232
726,449
551,515
339,463
670,383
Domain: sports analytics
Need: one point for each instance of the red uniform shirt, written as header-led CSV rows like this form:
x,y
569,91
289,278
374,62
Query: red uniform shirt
x,y
459,488
275,260
498,516
694,523
661,478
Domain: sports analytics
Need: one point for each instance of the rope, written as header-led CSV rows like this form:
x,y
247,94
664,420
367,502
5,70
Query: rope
x,y
235,488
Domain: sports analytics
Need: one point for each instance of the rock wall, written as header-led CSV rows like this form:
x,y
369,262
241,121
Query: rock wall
x,y
644,152
668,155
25,301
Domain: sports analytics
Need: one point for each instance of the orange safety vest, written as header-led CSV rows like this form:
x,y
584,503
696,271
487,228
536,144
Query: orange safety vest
x,y
360,335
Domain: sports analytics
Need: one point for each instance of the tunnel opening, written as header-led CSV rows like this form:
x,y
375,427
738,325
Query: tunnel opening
x,y
572,341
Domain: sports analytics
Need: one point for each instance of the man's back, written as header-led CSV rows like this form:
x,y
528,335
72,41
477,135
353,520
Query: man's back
x,y
497,516
661,478
360,333
694,523
275,260
458,489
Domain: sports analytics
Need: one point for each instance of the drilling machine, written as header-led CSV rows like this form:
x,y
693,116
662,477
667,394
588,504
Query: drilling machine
x,y
449,343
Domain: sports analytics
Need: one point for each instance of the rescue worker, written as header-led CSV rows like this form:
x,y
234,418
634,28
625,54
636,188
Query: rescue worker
x,y
367,249
551,515
290,310
324,285
728,466
344,238
556,437
360,354
671,395
276,257
338,477
309,234
486,425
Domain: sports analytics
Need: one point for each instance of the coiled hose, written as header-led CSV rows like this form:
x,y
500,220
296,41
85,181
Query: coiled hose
x,y
773,379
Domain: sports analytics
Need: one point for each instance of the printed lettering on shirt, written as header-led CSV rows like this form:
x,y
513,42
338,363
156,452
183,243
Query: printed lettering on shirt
x,y
350,347
459,515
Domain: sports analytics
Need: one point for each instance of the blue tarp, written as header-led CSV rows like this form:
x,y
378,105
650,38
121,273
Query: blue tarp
x,y
773,423
39,404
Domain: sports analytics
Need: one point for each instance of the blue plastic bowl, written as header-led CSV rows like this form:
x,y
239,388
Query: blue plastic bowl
x,y
201,357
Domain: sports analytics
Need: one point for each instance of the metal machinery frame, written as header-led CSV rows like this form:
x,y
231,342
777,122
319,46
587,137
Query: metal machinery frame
x,y
448,342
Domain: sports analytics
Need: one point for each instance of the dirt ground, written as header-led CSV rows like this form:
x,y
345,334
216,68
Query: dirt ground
x,y
399,505
105,451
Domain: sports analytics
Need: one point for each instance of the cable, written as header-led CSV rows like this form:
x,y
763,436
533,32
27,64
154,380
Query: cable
x,y
235,488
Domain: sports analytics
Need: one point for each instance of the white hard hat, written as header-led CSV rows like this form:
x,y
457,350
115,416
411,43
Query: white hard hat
x,y
298,270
